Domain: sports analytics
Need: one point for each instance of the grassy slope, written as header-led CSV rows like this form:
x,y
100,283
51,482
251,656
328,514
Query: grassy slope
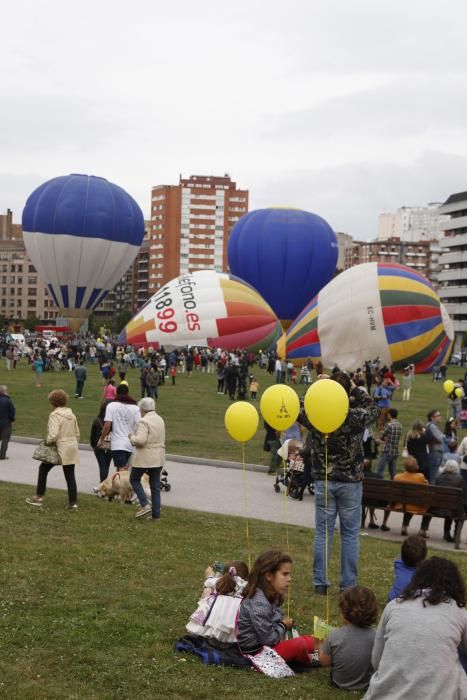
x,y
92,601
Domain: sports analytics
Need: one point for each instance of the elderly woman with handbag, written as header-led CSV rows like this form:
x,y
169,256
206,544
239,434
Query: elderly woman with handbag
x,y
148,457
60,447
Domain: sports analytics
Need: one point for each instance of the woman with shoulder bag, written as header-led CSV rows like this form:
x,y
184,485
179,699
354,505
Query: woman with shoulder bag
x,y
101,447
63,432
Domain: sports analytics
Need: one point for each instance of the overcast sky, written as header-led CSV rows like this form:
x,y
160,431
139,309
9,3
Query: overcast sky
x,y
346,108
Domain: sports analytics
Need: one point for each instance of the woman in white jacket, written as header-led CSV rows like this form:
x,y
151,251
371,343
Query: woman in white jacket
x,y
62,431
149,457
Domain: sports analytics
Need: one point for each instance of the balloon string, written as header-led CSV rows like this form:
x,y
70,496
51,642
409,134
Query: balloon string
x,y
286,515
327,525
245,501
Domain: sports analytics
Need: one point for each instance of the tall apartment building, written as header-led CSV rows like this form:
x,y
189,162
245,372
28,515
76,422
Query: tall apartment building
x,y
412,224
344,242
140,290
416,255
190,226
453,263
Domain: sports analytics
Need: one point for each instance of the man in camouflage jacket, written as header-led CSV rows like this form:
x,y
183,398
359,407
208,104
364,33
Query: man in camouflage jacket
x,y
344,466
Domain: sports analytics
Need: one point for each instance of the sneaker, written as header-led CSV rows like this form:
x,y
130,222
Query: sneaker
x,y
385,528
95,489
35,501
373,526
321,590
145,510
72,506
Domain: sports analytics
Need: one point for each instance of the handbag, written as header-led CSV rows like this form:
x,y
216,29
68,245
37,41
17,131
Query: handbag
x,y
103,444
46,453
269,662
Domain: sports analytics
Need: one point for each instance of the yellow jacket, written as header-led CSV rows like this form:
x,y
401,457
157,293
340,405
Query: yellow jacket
x,y
62,429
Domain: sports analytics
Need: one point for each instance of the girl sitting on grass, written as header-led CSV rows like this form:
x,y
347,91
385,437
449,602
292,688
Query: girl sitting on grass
x,y
261,622
348,649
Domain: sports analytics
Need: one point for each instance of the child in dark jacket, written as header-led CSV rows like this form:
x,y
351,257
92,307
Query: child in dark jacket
x,y
261,622
413,551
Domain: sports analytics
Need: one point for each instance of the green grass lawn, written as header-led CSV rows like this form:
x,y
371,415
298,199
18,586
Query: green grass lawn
x,y
92,601
192,410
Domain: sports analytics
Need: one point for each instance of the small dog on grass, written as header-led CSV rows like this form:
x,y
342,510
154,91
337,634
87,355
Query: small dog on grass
x,y
118,486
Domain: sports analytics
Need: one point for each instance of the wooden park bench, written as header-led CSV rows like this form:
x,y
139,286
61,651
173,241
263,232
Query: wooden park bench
x,y
383,494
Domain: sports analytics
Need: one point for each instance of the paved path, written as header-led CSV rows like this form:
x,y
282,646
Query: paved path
x,y
212,487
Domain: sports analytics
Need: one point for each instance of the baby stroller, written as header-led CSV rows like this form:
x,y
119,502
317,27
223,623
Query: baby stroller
x,y
165,486
295,480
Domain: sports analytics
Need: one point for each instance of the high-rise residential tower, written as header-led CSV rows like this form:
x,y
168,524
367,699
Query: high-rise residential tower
x,y
190,226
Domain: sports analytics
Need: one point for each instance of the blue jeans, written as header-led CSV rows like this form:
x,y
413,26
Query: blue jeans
x,y
345,500
154,484
120,458
391,461
434,461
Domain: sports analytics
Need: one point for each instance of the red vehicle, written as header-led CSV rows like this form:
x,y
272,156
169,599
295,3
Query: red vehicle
x,y
53,331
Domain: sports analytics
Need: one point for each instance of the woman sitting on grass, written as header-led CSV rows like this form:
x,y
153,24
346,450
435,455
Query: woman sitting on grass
x,y
415,654
348,649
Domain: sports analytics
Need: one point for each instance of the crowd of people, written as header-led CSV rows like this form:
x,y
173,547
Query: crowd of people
x,y
247,608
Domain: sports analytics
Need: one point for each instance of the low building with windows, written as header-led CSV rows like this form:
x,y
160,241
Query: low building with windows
x,y
416,255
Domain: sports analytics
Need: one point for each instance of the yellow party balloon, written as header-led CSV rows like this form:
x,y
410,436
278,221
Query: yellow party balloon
x,y
241,421
326,405
459,392
448,386
280,406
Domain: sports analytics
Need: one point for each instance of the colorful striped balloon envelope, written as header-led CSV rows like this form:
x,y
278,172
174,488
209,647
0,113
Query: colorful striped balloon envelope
x,y
373,310
204,308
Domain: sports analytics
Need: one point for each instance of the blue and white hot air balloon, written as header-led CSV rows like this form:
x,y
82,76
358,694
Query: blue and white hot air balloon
x,y
82,233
